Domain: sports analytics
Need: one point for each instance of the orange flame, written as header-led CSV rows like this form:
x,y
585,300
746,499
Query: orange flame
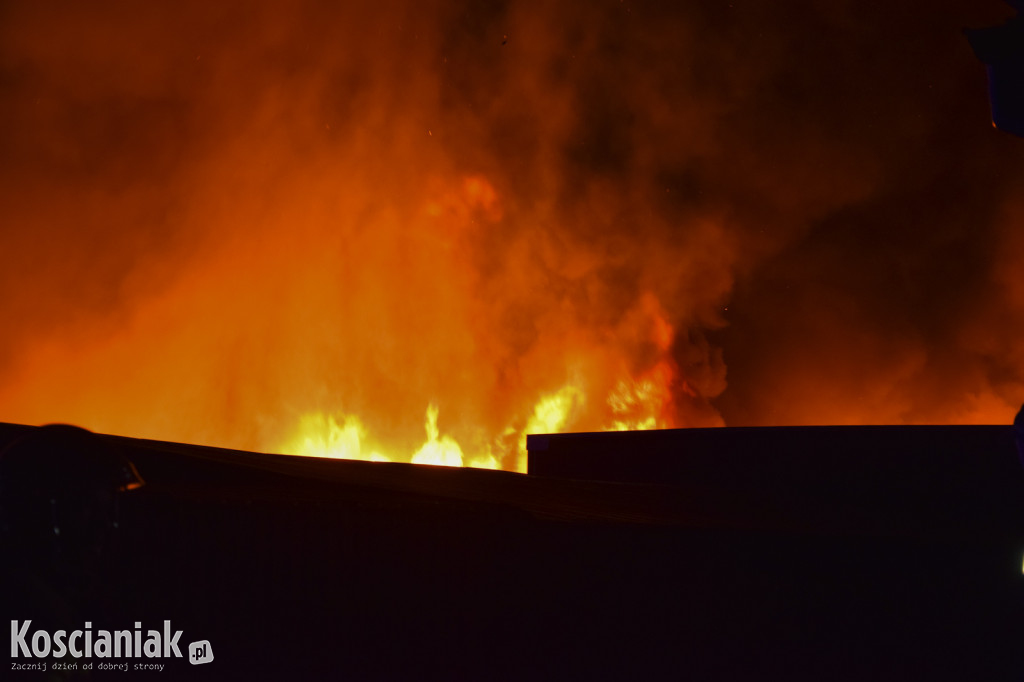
x,y
382,230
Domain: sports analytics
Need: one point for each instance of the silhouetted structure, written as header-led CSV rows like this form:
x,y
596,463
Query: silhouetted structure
x,y
924,481
59,515
728,563
1018,431
1001,48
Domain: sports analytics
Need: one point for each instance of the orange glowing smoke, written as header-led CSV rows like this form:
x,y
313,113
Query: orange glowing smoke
x,y
603,378
359,334
419,231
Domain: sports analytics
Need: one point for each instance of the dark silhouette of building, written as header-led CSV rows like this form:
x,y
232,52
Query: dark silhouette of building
x,y
792,553
1001,48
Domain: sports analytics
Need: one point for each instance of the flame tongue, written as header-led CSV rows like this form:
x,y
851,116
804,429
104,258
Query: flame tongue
x,y
621,378
439,450
412,243
318,226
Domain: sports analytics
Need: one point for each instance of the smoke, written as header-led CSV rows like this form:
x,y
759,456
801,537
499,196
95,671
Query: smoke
x,y
219,219
891,306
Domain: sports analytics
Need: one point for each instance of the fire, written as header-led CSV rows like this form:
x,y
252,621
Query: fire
x,y
551,414
323,435
320,435
635,404
625,402
381,231
438,450
644,402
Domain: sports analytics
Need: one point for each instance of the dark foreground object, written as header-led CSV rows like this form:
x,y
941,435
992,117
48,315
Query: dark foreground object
x,y
839,554
1001,48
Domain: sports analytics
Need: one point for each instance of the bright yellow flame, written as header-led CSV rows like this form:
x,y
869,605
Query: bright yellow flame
x,y
635,398
553,411
438,450
550,415
638,404
635,404
320,435
642,425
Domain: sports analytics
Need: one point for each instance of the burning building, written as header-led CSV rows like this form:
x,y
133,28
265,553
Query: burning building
x,y
422,230
416,232
805,553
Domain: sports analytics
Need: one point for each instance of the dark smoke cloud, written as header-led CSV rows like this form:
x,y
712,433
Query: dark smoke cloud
x,y
864,314
219,217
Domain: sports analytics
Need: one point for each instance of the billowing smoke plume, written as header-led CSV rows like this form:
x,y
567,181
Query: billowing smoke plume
x,y
220,219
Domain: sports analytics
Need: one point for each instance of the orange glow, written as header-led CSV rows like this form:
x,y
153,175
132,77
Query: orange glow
x,y
415,231
351,340
320,435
